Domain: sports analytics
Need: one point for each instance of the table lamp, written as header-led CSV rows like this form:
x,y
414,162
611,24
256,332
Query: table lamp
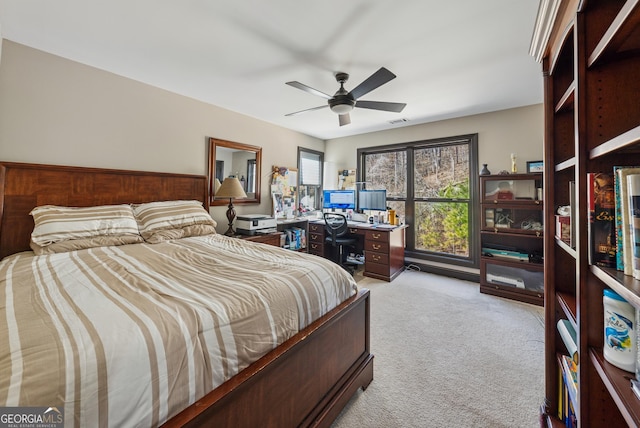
x,y
232,189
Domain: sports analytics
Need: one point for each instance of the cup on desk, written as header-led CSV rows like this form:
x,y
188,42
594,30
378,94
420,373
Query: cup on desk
x,y
392,217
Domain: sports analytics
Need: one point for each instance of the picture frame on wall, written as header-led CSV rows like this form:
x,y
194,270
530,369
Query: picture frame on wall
x,y
535,166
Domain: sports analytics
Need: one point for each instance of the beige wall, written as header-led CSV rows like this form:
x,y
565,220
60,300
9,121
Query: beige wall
x,y
57,111
500,133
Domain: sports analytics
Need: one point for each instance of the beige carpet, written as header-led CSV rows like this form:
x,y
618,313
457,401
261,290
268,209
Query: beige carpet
x,y
448,356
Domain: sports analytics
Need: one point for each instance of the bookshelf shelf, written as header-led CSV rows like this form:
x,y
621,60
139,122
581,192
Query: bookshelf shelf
x,y
569,163
566,101
620,30
625,285
567,303
629,141
591,67
617,382
564,246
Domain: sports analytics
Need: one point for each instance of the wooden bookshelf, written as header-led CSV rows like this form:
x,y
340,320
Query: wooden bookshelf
x,y
590,54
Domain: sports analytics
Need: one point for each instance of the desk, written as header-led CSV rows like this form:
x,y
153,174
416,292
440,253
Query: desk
x,y
383,247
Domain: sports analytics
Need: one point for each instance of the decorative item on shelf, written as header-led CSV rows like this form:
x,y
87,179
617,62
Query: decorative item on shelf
x,y
503,218
514,168
619,331
231,188
485,170
535,166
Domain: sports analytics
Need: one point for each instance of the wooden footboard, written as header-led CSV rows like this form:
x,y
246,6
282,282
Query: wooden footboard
x,y
304,382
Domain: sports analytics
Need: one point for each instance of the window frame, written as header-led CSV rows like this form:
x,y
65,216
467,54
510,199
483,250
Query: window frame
x,y
473,259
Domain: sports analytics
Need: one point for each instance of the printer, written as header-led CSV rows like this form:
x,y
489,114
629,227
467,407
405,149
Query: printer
x,y
252,224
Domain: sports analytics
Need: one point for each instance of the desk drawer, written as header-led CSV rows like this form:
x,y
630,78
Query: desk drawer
x,y
371,257
316,248
376,246
377,263
316,237
316,227
376,235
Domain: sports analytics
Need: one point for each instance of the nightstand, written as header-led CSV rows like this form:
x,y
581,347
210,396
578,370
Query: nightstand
x,y
266,238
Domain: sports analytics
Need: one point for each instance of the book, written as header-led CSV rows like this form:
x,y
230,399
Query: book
x,y
513,255
570,376
568,336
572,214
563,228
633,187
602,230
623,229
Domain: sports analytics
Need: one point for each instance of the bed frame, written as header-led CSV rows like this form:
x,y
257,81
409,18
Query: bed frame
x,y
306,381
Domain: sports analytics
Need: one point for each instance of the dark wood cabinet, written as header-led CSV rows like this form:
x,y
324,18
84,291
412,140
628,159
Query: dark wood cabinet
x,y
511,237
590,54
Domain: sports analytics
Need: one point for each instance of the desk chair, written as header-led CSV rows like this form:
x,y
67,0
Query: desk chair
x,y
338,236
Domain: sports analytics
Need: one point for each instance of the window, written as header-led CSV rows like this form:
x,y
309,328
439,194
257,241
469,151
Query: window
x,y
429,185
251,173
310,176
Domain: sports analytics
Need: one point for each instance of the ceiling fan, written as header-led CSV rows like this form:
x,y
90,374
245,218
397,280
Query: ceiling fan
x,y
342,102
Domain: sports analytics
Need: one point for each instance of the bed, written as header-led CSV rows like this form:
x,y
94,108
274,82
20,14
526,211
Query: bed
x,y
295,369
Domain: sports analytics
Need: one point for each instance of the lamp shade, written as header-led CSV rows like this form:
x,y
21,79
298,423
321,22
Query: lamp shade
x,y
216,186
231,188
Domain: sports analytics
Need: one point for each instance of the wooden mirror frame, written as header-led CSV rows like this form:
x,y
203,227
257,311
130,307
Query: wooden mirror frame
x,y
215,143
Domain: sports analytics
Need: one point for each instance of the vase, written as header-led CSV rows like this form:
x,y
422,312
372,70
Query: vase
x,y
485,170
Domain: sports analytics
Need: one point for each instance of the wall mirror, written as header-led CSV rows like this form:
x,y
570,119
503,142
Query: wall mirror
x,y
231,159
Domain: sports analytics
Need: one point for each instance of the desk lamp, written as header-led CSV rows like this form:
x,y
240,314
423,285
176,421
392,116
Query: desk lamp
x,y
230,188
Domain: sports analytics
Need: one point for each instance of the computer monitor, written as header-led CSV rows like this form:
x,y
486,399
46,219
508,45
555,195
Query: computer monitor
x,y
373,200
339,199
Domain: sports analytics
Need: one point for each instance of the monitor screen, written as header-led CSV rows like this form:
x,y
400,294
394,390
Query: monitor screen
x,y
339,199
375,200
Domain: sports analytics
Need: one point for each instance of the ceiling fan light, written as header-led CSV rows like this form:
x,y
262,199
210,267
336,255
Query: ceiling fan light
x,y
341,108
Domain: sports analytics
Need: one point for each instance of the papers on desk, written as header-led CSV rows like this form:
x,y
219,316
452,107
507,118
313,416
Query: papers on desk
x,y
371,225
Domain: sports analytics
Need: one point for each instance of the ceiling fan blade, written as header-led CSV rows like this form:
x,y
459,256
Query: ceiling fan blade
x,y
344,119
308,89
381,105
306,110
374,81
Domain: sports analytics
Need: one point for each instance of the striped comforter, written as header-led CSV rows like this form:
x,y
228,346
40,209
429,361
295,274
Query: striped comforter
x,y
131,335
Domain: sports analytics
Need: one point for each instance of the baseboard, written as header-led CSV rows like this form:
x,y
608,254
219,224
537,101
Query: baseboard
x,y
439,270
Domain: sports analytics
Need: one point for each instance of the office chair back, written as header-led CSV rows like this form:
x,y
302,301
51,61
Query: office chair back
x,y
336,227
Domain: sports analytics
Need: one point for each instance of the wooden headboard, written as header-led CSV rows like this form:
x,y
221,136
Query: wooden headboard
x,y
26,186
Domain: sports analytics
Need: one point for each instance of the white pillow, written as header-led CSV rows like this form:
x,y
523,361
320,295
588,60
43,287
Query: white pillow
x,y
154,217
55,224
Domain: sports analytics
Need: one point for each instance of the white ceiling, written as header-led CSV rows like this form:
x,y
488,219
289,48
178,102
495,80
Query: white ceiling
x,y
452,58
